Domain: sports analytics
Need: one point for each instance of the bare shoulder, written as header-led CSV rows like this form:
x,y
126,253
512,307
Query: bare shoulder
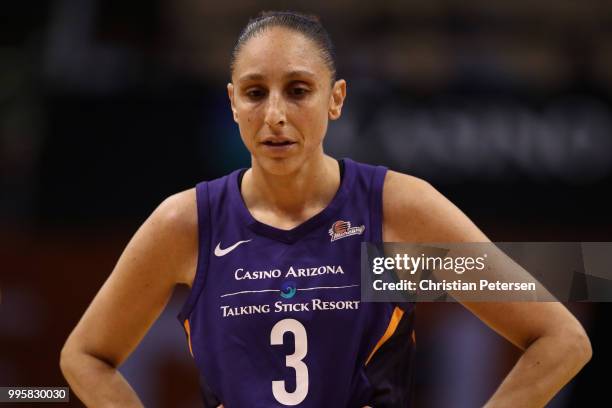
x,y
161,254
178,211
175,223
414,211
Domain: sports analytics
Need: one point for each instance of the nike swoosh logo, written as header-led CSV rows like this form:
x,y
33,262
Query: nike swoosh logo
x,y
225,251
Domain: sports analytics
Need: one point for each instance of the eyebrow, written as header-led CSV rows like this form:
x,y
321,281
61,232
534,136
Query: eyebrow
x,y
290,74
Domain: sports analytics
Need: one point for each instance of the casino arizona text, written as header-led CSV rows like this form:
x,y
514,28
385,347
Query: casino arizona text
x,y
292,272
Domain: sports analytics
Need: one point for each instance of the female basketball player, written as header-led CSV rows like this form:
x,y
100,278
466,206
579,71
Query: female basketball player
x,y
272,257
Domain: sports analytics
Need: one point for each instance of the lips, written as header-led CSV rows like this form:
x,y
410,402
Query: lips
x,y
276,146
277,142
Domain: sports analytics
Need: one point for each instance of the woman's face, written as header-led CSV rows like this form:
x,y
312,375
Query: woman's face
x,y
282,99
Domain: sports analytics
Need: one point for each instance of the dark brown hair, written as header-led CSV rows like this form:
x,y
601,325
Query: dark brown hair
x,y
308,25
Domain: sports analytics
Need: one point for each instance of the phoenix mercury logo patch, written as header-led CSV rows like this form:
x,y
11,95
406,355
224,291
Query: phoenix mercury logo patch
x,y
342,229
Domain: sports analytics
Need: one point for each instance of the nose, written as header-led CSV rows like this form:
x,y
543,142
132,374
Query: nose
x,y
275,111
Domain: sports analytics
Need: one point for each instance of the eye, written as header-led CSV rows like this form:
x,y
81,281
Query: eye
x,y
255,93
298,91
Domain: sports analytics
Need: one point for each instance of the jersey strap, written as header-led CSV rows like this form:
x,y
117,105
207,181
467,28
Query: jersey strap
x,y
204,232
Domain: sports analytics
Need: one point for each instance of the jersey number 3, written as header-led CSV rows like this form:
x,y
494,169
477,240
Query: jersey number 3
x,y
293,360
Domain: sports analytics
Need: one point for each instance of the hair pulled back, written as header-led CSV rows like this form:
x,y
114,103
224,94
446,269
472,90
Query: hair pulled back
x,y
308,25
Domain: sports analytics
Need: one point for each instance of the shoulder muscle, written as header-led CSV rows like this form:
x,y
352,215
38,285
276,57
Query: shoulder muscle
x,y
174,225
414,211
154,261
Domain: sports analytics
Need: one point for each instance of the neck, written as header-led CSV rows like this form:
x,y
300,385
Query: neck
x,y
295,196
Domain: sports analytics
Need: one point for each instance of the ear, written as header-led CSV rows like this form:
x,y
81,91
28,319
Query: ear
x,y
230,93
336,99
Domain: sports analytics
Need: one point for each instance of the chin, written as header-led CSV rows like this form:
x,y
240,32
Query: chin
x,y
280,166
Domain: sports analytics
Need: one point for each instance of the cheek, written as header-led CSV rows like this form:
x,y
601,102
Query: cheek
x,y
246,119
249,124
315,123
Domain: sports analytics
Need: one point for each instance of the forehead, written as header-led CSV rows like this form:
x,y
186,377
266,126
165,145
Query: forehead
x,y
278,51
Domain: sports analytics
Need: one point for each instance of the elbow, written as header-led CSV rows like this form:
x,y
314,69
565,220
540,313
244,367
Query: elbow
x,y
71,359
66,360
586,350
579,347
75,360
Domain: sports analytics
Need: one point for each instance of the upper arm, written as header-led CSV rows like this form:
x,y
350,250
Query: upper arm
x,y
413,211
162,253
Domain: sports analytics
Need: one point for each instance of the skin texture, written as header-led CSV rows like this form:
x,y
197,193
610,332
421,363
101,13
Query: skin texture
x,y
281,91
554,343
161,254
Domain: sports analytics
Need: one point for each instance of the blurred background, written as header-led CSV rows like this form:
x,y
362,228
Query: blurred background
x,y
107,107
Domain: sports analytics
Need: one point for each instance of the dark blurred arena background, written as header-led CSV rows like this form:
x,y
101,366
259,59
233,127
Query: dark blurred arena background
x,y
107,107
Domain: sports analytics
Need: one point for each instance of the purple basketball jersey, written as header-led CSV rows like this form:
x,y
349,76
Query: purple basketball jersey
x,y
274,317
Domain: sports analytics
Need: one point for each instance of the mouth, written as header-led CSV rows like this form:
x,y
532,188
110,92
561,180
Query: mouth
x,y
277,143
280,143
